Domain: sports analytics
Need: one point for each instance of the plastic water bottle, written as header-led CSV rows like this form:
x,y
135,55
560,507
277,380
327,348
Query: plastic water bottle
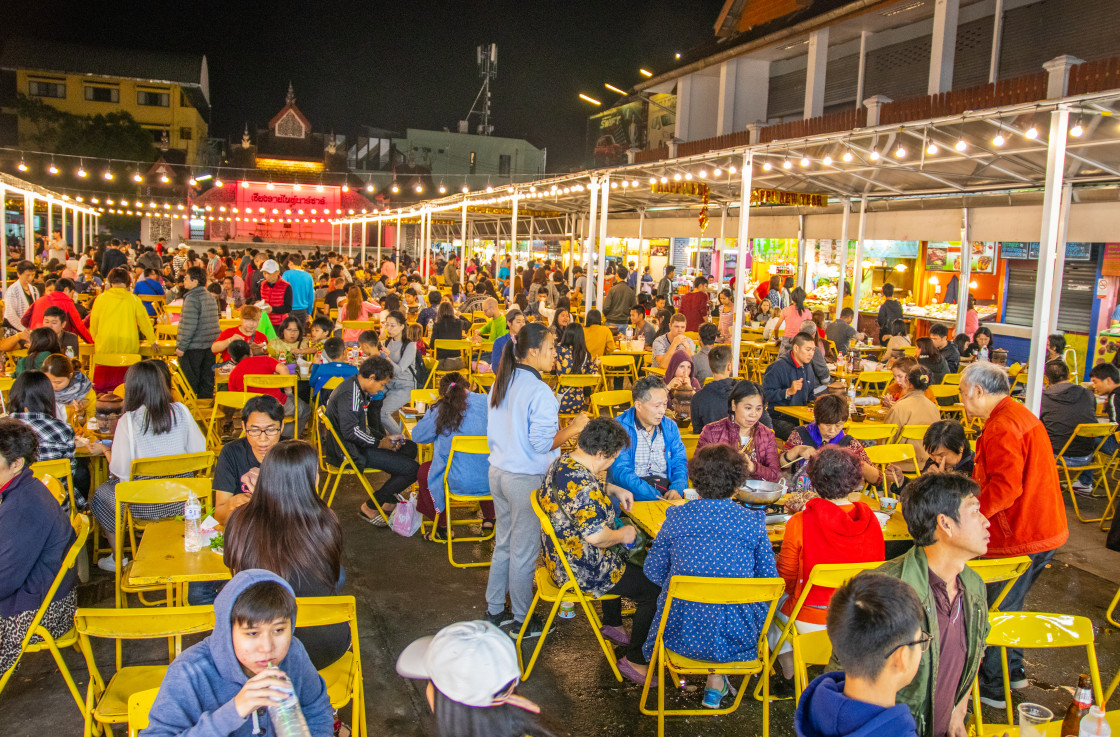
x,y
629,332
851,399
1094,724
70,352
192,537
287,719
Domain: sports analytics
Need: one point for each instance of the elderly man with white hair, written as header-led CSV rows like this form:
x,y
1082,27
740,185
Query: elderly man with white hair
x,y
1020,496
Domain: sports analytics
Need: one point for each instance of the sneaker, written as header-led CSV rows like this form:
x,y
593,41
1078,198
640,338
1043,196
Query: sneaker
x,y
501,619
713,697
1019,679
993,698
1082,489
535,628
107,564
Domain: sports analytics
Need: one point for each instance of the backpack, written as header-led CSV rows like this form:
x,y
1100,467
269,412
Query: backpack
x,y
420,369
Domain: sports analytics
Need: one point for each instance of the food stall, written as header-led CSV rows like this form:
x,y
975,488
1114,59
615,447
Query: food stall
x,y
938,289
894,262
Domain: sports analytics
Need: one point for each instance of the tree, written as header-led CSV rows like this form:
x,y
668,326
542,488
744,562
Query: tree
x,y
114,135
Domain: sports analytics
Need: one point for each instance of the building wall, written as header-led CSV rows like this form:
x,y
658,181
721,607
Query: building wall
x,y
453,153
186,127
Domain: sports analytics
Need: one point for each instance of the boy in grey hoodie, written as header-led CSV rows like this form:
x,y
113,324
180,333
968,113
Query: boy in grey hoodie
x,y
222,686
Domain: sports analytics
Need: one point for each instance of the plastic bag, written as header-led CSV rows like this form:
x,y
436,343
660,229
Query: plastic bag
x,y
405,520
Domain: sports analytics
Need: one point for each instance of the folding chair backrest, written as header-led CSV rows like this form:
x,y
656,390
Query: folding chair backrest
x,y
829,576
690,442
546,527
703,590
143,624
993,570
610,400
324,421
585,381
942,391
428,396
877,381
359,324
892,453
139,707
952,379
318,611
199,464
1040,630
871,431
80,523
913,432
815,647
58,471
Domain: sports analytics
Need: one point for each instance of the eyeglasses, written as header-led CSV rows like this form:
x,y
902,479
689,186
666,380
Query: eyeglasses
x,y
923,640
256,432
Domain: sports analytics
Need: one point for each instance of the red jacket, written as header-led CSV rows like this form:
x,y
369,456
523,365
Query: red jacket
x,y
1019,491
694,306
33,318
279,297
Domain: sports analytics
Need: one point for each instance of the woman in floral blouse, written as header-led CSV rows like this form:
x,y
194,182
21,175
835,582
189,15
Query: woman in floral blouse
x,y
577,504
572,358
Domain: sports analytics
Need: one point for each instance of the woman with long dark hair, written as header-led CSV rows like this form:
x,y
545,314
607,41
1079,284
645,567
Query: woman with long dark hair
x,y
355,308
523,429
561,320
931,359
70,384
32,402
151,425
44,342
401,352
793,316
572,358
458,411
287,529
447,327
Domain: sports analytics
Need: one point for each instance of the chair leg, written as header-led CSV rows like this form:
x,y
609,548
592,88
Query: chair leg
x,y
63,670
593,620
521,636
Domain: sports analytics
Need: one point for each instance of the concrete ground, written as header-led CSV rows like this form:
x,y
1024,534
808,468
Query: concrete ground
x,y
405,589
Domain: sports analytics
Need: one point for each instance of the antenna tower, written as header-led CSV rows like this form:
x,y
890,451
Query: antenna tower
x,y
487,71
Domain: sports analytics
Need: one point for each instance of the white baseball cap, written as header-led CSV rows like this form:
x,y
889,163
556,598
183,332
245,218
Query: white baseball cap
x,y
270,266
471,663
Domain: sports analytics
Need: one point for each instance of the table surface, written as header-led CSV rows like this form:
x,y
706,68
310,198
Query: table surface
x,y
651,515
160,559
1054,728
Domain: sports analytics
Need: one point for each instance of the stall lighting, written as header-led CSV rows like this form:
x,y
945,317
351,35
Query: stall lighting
x,y
933,281
732,169
874,155
900,152
973,285
395,188
998,140
900,268
687,176
677,177
767,166
219,183
827,160
419,188
867,264
703,174
634,183
614,89
847,157
345,187
804,161
1032,133
270,185
244,184
717,172
22,166
192,181
164,179
52,168
787,164
108,175
932,149
297,187
589,98
645,73
1077,131
82,171
960,145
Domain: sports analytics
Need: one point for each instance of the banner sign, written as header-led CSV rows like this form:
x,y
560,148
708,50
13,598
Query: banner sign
x,y
946,256
1074,251
1111,265
679,253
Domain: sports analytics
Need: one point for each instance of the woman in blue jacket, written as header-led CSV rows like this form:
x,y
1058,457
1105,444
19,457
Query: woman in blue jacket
x,y
458,411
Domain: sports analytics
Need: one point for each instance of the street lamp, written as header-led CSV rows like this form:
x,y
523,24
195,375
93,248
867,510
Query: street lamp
x,y
589,98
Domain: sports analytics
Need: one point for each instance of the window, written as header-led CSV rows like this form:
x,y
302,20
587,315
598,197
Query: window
x,y
184,101
474,161
503,165
158,134
185,133
103,94
153,99
47,89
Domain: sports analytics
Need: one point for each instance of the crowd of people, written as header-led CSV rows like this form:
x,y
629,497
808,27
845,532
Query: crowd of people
x,y
918,644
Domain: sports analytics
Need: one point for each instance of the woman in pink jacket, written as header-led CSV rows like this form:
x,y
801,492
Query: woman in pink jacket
x,y
742,430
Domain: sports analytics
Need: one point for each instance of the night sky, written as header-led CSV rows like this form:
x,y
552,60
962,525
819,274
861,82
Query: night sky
x,y
399,65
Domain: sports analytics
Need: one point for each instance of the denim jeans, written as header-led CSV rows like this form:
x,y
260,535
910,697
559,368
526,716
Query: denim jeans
x,y
991,674
1086,477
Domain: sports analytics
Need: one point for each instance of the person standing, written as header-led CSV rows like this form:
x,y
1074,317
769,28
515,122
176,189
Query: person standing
x,y
1019,494
116,318
523,430
19,298
694,305
620,297
275,292
665,286
303,291
889,311
198,329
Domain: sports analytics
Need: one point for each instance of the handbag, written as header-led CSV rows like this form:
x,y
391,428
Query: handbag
x,y
405,520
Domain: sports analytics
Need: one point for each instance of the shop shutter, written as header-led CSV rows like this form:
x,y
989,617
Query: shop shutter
x,y
899,70
1075,310
786,96
1036,33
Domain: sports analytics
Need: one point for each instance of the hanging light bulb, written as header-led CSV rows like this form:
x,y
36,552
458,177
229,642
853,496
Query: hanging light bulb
x,y
22,165
732,169
827,160
787,164
108,175
52,168
465,189
1032,133
717,172
297,187
82,170
973,285
900,152
677,177
998,140
804,161
766,166
345,187
192,181
847,157
270,185
960,145
369,187
932,149
703,173
319,187
1077,131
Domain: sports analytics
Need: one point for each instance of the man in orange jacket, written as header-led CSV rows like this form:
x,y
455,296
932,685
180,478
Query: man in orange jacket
x,y
1020,496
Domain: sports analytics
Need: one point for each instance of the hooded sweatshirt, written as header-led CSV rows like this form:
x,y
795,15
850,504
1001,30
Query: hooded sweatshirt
x,y
196,697
824,711
1065,406
116,316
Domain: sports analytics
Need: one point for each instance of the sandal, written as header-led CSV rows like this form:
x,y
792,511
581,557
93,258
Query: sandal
x,y
488,524
376,520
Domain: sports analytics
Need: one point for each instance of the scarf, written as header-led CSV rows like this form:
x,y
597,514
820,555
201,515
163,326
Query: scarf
x,y
814,434
75,391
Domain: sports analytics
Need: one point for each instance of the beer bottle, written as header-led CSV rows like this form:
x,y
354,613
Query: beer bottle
x,y
1079,707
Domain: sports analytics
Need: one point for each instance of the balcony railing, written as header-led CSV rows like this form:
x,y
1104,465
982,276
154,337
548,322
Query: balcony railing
x,y
833,122
1027,88
1095,76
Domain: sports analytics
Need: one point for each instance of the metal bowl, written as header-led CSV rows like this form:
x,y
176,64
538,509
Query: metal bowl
x,y
760,492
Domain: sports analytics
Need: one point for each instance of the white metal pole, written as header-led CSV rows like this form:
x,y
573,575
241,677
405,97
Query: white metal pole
x,y
641,224
3,238
1060,265
802,269
28,226
601,276
512,247
843,259
50,221
463,248
1048,278
741,259
379,244
364,228
857,267
62,224
76,218
963,289
717,256
428,248
997,41
397,243
589,246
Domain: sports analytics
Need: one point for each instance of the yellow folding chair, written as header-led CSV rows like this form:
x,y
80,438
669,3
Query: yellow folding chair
x,y
548,590
615,402
43,639
59,471
690,442
147,491
343,677
575,382
1032,630
464,347
228,322
823,575
180,384
913,432
993,570
809,648
617,367
362,325
952,379
346,467
112,360
894,453
139,708
255,383
473,445
867,432
234,401
158,302
165,331
427,396
106,702
482,382
701,590
873,383
1097,433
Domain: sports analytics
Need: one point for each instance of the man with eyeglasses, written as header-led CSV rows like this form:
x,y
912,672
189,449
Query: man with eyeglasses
x,y
942,512
235,475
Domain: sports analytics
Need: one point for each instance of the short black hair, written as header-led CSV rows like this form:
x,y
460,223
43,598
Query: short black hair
x,y
334,348
622,273
717,470
888,289
941,331
263,603
869,617
23,266
324,324
1056,371
593,317
197,274
945,434
433,298
120,276
835,472
830,409
368,337
17,440
56,311
265,403
639,309
931,495
603,435
1105,372
741,391
377,367
645,385
699,281
802,338
708,333
63,284
238,350
1058,341
847,312
719,358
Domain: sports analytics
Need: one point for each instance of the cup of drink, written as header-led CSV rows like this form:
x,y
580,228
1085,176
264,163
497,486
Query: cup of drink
x,y
690,494
420,407
1033,719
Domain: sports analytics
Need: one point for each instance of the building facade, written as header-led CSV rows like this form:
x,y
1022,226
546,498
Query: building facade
x,y
167,93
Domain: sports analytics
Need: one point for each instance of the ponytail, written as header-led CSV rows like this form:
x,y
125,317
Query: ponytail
x,y
798,298
919,378
452,403
533,335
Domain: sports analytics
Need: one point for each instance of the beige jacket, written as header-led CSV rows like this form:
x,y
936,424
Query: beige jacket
x,y
914,409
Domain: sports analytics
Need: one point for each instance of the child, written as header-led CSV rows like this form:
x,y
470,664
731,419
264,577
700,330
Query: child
x,y
875,624
775,318
415,332
321,329
246,331
222,685
369,343
335,365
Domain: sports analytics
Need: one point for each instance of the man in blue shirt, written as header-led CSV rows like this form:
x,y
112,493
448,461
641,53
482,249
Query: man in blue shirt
x,y
303,292
632,277
150,285
655,465
335,366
